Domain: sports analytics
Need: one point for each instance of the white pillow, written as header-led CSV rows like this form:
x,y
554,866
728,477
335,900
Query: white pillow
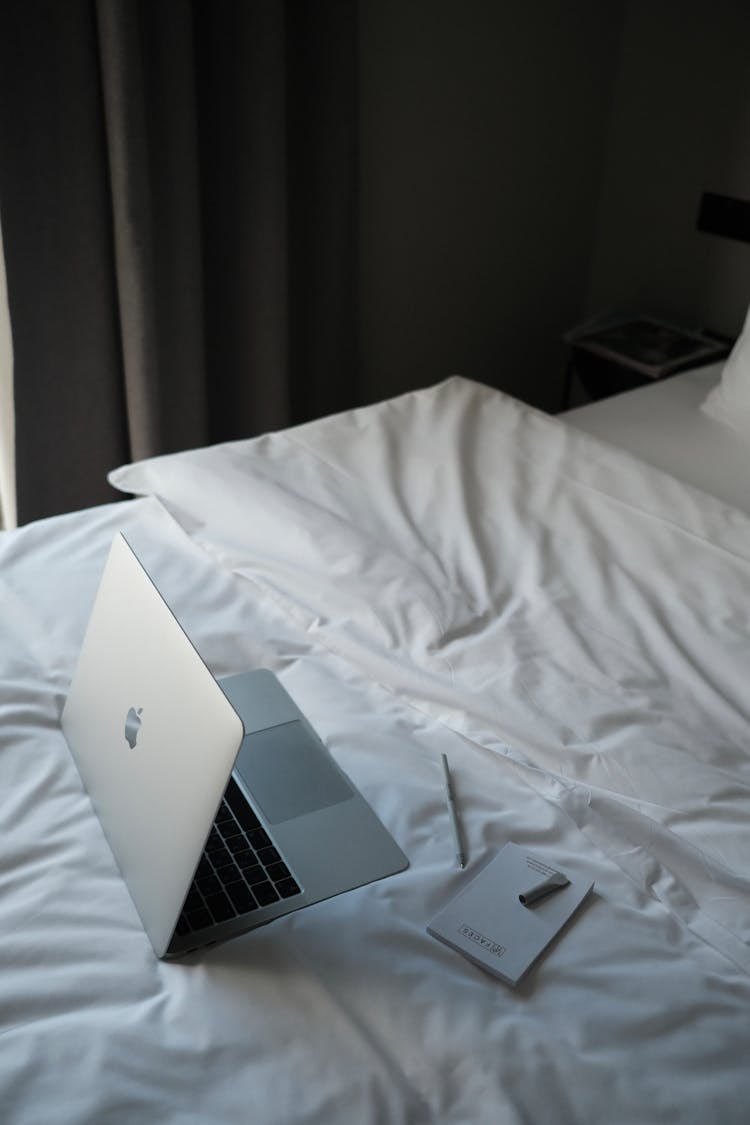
x,y
729,401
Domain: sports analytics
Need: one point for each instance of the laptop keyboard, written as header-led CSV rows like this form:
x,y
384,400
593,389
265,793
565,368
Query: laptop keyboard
x,y
239,871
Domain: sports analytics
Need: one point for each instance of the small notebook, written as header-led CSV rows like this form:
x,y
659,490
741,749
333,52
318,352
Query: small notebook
x,y
489,924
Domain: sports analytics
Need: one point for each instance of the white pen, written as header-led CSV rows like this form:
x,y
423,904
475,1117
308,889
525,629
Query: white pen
x,y
460,858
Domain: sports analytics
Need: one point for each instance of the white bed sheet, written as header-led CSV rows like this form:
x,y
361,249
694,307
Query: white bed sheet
x,y
664,425
448,572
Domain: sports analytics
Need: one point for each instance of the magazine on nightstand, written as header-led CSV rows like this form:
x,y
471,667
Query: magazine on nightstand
x,y
649,346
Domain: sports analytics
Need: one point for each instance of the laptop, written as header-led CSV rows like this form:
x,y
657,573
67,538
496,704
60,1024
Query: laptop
x,y
222,806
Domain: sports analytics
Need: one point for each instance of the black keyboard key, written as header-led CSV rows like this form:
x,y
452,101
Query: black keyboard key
x,y
230,829
237,844
268,855
258,838
208,884
227,873
204,868
277,871
220,857
253,875
193,900
182,926
287,888
220,907
265,893
198,919
252,871
240,807
224,814
241,896
213,843
246,858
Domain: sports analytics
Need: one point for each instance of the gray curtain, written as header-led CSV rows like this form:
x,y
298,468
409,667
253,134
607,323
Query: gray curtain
x,y
178,204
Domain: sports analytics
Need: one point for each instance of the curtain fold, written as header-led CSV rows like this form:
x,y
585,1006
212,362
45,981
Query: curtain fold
x,y
56,218
178,197
7,413
147,75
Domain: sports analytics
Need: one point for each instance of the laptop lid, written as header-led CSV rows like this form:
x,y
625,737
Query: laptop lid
x,y
154,739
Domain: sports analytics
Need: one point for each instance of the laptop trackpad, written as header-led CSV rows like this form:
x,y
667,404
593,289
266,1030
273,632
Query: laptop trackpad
x,y
289,773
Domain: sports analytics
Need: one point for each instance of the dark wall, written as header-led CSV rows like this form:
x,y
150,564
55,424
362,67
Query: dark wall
x,y
525,166
680,126
482,132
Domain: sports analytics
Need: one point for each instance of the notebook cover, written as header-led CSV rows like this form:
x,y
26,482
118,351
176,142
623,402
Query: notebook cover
x,y
487,923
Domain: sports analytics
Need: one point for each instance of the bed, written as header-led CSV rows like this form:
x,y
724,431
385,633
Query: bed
x,y
663,424
446,572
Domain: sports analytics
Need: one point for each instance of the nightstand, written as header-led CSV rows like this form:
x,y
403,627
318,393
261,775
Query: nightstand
x,y
626,353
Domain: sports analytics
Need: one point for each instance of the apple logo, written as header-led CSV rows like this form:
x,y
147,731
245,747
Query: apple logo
x,y
132,726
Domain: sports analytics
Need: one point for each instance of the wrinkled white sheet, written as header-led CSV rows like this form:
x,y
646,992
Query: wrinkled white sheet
x,y
447,572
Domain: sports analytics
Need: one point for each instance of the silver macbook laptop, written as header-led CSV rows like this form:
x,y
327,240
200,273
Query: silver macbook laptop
x,y
221,805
